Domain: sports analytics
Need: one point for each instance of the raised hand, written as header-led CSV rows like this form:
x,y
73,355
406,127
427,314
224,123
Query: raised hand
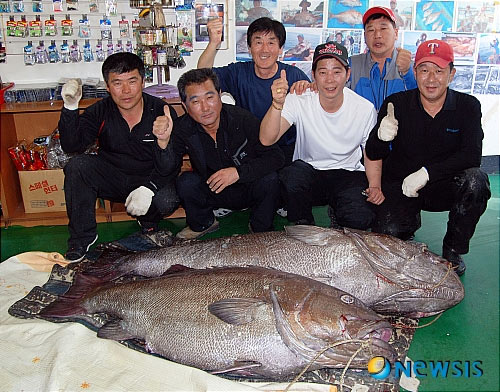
x,y
279,89
388,128
215,27
72,93
403,60
162,127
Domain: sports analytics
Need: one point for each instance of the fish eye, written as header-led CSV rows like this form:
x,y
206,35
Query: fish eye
x,y
347,299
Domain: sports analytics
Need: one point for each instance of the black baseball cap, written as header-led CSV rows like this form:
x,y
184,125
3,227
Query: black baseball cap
x,y
330,50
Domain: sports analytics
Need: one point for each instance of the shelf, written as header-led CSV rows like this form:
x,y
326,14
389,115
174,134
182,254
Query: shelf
x,y
32,119
21,218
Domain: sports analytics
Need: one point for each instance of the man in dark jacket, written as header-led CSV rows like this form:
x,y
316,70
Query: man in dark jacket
x,y
135,162
430,140
231,168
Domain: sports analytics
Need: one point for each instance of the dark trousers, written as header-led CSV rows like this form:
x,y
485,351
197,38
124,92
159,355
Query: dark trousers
x,y
199,201
87,177
464,195
304,187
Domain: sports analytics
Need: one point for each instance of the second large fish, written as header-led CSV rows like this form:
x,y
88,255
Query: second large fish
x,y
250,321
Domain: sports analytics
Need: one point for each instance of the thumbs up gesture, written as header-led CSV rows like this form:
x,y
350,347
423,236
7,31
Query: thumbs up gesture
x,y
279,89
162,127
388,128
215,27
403,60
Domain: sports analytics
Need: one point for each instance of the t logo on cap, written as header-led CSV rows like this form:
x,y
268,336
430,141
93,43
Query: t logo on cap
x,y
433,45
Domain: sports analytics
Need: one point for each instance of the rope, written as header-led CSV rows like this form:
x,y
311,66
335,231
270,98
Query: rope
x,y
364,344
418,326
442,280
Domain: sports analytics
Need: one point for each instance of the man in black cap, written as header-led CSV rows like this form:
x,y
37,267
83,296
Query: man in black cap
x,y
333,125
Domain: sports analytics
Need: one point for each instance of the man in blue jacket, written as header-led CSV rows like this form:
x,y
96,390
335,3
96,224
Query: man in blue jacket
x,y
231,168
384,69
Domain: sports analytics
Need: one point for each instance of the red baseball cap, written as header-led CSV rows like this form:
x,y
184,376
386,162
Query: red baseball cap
x,y
435,51
379,10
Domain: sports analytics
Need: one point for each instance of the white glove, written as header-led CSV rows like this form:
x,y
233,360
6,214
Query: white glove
x,y
139,200
414,182
388,128
72,93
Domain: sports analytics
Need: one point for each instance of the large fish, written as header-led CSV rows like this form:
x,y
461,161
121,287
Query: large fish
x,y
391,276
350,3
251,321
350,17
432,17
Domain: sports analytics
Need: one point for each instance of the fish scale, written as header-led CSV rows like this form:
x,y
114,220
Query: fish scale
x,y
172,315
390,275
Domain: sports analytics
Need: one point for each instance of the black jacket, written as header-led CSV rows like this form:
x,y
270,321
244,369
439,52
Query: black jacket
x,y
446,144
240,130
134,152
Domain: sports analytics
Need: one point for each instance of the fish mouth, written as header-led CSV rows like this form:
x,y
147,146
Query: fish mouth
x,y
419,302
423,282
371,336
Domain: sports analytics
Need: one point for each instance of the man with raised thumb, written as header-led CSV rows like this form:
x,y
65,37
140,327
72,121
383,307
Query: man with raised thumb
x,y
430,141
134,163
389,126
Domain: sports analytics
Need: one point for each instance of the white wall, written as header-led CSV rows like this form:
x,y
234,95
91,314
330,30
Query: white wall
x,y
15,70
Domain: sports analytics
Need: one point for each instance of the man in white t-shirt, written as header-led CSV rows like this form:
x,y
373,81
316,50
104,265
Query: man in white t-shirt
x,y
333,125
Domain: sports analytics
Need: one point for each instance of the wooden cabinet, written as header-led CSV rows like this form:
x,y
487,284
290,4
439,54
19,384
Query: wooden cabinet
x,y
20,121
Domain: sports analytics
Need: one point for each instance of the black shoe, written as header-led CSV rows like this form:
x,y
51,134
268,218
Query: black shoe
x,y
455,259
77,253
148,227
305,222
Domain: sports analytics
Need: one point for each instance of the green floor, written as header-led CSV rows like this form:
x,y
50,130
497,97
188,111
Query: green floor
x,y
467,333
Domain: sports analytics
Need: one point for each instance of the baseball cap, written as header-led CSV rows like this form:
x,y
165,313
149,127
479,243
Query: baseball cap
x,y
379,10
435,51
332,50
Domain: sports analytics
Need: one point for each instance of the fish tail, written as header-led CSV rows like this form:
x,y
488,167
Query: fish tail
x,y
107,269
69,304
63,307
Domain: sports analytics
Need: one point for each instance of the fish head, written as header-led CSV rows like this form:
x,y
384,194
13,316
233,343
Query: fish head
x,y
424,283
328,320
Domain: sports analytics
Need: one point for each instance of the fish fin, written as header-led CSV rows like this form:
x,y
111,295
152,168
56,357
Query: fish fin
x,y
311,235
288,335
236,311
240,368
114,331
176,268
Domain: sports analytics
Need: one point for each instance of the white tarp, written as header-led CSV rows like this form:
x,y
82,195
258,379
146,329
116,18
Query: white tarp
x,y
37,355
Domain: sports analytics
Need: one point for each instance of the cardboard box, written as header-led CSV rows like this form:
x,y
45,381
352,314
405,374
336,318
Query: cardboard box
x,y
43,190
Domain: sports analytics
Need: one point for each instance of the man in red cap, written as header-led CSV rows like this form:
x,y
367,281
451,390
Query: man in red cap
x,y
430,140
384,69
333,124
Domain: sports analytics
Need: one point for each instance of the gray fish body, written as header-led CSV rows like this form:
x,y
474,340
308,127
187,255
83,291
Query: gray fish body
x,y
265,321
389,275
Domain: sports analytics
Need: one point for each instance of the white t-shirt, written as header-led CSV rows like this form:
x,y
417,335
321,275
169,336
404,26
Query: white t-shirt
x,y
330,140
